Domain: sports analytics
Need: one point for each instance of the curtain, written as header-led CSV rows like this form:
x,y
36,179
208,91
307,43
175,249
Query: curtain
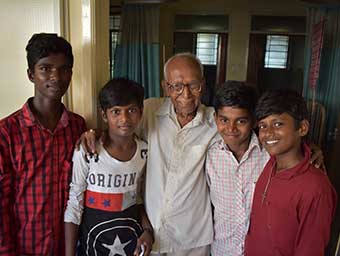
x,y
137,55
327,90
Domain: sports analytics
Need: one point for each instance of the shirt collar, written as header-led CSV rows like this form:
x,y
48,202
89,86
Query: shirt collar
x,y
168,109
298,169
28,119
254,147
254,143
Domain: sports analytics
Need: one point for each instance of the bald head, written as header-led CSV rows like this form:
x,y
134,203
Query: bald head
x,y
189,59
185,71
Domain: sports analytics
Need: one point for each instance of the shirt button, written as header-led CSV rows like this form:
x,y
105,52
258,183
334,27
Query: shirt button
x,y
269,226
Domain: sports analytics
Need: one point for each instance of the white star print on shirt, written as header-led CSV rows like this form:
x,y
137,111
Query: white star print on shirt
x,y
117,247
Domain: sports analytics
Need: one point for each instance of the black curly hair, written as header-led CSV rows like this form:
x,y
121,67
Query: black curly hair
x,y
236,94
282,101
42,45
121,92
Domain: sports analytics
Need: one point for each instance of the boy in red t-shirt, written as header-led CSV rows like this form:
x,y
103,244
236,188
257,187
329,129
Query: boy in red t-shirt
x,y
294,202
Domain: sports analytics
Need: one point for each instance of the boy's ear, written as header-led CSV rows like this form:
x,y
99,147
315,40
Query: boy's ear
x,y
30,75
304,128
104,116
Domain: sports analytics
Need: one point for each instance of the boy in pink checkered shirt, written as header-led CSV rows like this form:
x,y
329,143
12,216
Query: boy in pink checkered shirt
x,y
233,165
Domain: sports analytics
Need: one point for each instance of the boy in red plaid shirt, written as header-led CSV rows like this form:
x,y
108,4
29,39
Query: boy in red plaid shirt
x,y
36,147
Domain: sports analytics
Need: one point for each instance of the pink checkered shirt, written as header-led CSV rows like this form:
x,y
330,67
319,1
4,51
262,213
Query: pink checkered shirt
x,y
232,184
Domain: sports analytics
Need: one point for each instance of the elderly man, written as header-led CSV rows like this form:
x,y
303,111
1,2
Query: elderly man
x,y
179,130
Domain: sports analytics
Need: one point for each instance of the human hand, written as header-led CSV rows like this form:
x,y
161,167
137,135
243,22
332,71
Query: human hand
x,y
144,243
317,158
88,141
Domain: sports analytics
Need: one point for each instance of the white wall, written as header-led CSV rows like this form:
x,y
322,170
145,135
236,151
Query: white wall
x,y
18,21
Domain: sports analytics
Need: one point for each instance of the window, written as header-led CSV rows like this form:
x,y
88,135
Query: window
x,y
114,40
206,48
276,52
115,22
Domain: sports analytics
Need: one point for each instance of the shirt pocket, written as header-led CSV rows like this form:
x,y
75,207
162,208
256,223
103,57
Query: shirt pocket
x,y
194,156
190,162
283,225
196,151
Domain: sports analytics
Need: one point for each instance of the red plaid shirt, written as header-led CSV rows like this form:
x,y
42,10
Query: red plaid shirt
x,y
35,171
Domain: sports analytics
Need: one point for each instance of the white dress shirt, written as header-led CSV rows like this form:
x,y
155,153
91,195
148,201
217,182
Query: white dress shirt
x,y
176,194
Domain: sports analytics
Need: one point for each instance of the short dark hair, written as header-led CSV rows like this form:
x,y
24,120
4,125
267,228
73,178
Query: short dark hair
x,y
121,92
236,94
282,101
44,44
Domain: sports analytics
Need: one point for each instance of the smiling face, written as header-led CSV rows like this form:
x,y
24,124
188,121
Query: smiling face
x,y
235,126
183,70
122,121
280,135
51,76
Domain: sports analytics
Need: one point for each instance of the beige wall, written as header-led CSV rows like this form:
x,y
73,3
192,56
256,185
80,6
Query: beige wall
x,y
89,36
239,12
85,23
19,20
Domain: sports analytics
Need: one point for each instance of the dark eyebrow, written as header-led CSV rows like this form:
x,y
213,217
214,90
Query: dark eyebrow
x,y
47,64
242,117
44,64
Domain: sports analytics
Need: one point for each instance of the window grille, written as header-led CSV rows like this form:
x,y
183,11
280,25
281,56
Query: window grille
x,y
206,48
276,55
114,40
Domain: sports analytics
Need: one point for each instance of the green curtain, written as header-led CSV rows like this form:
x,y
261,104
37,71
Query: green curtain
x,y
327,90
137,55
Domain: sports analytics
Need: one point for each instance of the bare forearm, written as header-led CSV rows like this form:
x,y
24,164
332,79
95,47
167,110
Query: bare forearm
x,y
147,238
146,224
71,238
144,218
